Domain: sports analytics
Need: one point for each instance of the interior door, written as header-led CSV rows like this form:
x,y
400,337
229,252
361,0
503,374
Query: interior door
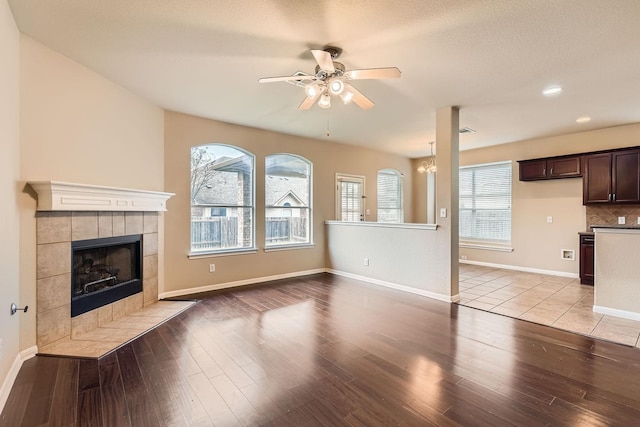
x,y
350,198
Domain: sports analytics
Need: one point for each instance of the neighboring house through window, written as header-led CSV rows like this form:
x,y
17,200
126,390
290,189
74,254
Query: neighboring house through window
x,y
222,197
287,200
485,203
390,196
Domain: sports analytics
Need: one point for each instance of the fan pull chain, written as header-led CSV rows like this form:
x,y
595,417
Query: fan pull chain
x,y
328,122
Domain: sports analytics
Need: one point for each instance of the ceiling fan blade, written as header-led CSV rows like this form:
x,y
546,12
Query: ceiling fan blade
x,y
324,60
358,98
294,78
309,101
373,73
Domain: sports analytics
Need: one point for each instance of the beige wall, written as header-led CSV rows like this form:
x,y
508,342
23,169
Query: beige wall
x,y
419,191
77,126
184,131
9,175
537,244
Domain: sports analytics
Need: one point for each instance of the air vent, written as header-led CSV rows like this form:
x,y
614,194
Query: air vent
x,y
467,130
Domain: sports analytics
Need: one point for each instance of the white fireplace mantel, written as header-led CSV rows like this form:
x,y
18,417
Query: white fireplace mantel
x,y
65,196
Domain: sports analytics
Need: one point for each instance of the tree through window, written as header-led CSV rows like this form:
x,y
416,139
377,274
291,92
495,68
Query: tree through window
x,y
222,198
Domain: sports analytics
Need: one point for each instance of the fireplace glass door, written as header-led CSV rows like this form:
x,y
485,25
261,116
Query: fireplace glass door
x,y
104,271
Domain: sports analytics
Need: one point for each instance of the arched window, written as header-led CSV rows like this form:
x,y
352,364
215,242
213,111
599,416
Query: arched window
x,y
222,198
287,195
390,196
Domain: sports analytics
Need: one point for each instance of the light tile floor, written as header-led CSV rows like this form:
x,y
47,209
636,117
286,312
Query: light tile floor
x,y
108,337
555,301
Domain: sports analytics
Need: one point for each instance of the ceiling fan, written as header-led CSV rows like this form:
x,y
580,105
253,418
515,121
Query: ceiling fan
x,y
331,78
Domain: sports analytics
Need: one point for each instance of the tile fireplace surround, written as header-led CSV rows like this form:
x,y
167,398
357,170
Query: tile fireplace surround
x,y
96,332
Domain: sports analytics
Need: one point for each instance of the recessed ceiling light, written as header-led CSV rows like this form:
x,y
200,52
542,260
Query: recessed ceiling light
x,y
584,119
552,90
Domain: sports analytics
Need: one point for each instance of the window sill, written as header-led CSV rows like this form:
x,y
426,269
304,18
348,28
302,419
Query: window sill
x,y
230,252
289,247
486,246
407,225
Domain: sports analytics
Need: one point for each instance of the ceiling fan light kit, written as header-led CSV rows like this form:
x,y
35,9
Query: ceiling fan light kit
x,y
336,87
331,78
325,101
346,97
311,90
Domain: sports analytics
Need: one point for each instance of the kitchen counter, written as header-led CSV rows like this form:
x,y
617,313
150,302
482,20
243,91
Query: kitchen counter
x,y
618,226
617,268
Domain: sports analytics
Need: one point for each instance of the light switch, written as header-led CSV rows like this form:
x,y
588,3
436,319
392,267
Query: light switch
x,y
443,212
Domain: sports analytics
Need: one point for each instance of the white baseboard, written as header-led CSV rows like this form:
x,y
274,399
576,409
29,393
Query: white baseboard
x,y
525,269
189,291
631,315
7,384
433,295
218,286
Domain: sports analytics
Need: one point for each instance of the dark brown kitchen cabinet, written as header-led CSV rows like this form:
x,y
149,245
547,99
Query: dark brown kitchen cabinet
x,y
612,177
550,168
587,251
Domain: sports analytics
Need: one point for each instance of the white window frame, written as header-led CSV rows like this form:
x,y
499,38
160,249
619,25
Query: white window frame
x,y
199,253
399,199
479,242
309,208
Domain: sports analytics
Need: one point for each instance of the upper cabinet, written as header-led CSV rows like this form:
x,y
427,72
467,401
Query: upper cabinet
x,y
612,177
551,168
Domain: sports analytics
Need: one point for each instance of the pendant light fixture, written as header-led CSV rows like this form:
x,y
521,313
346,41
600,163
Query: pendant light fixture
x,y
428,166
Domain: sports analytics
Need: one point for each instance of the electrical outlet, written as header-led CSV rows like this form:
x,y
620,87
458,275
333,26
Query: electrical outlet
x,y
366,262
549,219
639,220
463,257
621,220
212,268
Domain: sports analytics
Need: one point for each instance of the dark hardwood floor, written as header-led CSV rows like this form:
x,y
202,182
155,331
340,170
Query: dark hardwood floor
x,y
328,351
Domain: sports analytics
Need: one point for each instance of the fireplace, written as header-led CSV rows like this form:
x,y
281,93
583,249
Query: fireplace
x,y
104,271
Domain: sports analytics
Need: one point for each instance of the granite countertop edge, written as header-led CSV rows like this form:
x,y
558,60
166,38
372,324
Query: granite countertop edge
x,y
618,226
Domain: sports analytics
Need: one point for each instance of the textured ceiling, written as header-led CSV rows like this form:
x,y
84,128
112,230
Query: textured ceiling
x,y
491,58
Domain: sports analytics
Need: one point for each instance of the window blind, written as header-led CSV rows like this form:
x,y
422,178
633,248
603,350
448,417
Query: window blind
x,y
485,202
351,199
389,196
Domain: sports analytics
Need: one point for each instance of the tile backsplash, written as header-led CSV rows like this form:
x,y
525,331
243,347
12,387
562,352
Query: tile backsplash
x,y
608,214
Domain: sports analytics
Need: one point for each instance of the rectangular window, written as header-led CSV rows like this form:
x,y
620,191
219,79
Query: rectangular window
x,y
221,199
287,200
485,202
390,196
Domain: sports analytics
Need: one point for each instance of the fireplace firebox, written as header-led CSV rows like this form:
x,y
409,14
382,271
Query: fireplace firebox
x,y
104,271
